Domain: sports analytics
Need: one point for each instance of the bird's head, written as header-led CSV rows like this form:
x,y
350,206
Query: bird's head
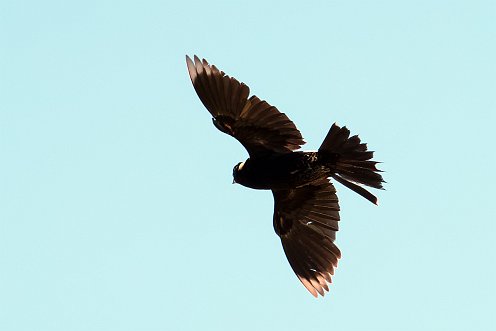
x,y
238,172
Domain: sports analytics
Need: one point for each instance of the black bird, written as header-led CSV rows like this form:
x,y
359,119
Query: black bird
x,y
306,209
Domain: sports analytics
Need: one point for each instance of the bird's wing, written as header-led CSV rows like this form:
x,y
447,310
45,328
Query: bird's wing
x,y
306,219
260,127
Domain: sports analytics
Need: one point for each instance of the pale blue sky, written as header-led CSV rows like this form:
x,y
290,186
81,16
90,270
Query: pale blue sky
x,y
117,208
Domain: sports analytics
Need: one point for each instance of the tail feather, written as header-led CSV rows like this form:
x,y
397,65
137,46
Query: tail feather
x,y
358,189
352,162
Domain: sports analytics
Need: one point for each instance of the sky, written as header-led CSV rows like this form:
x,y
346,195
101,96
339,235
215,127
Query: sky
x,y
117,205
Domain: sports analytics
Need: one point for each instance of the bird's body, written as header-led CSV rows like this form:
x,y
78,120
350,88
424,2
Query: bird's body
x,y
306,209
281,171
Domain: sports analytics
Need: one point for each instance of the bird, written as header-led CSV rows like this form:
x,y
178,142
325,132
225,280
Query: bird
x,y
306,207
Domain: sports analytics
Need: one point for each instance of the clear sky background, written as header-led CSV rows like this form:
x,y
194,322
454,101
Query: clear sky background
x,y
117,210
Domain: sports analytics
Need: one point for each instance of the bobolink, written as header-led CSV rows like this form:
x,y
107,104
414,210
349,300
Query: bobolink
x,y
306,209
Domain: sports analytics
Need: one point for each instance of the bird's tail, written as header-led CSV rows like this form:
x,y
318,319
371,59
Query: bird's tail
x,y
351,162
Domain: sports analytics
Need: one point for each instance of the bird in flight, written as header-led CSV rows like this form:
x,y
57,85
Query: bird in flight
x,y
306,209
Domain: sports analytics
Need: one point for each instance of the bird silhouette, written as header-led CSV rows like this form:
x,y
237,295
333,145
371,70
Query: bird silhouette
x,y
306,209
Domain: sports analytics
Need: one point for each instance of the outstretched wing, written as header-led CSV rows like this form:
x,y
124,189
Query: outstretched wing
x,y
306,219
260,127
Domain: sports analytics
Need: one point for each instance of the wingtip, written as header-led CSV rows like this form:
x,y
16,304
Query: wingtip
x,y
192,60
191,69
308,286
189,62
